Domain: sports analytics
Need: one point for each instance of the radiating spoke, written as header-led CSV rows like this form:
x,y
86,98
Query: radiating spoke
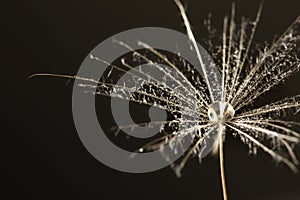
x,y
267,132
148,78
287,103
192,100
275,155
126,93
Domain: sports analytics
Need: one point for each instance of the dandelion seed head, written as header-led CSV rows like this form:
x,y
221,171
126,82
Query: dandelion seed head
x,y
195,113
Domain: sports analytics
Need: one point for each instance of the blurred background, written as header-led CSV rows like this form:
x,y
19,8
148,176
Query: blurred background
x,y
43,155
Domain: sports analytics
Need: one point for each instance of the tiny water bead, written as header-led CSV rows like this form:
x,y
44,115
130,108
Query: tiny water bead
x,y
220,111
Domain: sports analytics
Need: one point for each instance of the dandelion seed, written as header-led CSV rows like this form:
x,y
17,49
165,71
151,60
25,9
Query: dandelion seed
x,y
204,113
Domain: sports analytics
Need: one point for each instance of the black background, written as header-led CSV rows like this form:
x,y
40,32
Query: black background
x,y
43,155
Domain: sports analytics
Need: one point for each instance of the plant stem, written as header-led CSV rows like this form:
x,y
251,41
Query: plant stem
x,y
222,169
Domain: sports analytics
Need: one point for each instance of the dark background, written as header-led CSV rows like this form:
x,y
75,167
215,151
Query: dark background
x,y
43,155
